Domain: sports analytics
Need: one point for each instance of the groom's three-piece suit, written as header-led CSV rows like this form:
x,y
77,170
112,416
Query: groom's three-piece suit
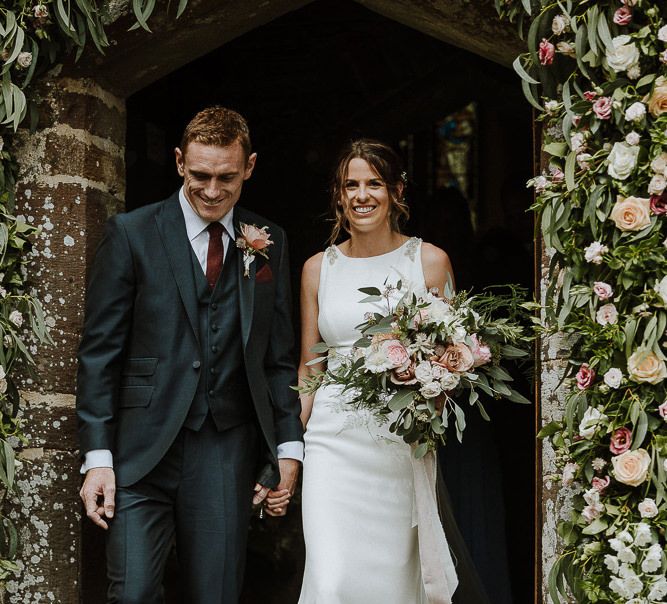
x,y
188,386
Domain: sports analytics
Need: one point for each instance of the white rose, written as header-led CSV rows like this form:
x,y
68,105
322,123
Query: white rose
x,y
622,160
631,467
376,361
450,380
569,473
16,317
602,290
635,112
607,315
657,184
591,422
24,59
424,372
560,24
578,142
647,508
661,288
623,54
632,138
438,311
613,377
593,253
645,366
659,163
431,390
662,33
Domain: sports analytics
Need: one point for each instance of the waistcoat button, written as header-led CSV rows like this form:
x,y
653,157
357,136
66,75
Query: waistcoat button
x,y
196,365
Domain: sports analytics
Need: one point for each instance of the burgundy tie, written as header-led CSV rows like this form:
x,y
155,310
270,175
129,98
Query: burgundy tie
x,y
215,254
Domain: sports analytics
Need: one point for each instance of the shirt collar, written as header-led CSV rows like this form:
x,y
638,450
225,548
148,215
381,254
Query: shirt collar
x,y
195,224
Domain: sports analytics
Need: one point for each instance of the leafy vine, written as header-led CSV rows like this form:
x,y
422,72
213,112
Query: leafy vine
x,y
596,72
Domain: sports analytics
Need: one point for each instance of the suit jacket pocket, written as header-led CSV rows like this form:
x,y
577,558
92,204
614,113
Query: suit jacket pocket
x,y
140,366
135,396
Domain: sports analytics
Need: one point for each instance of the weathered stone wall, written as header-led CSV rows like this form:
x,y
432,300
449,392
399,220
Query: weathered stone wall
x,y
71,179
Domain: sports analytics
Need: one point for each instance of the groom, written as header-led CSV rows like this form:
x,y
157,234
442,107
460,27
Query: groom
x,y
186,416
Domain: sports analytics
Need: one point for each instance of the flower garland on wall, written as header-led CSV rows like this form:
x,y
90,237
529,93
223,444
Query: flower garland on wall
x,y
34,35
596,72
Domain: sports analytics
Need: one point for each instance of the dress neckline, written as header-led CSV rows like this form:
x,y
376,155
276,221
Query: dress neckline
x,y
408,240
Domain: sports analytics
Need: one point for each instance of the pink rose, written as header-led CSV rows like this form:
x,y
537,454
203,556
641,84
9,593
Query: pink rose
x,y
623,15
662,410
590,95
603,290
600,484
404,375
396,353
621,440
481,353
457,358
585,376
602,108
546,52
658,204
256,238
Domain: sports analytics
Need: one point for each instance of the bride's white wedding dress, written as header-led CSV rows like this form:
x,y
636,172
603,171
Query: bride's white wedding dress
x,y
359,516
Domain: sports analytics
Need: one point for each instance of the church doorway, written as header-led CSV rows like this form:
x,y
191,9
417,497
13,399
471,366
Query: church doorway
x,y
307,82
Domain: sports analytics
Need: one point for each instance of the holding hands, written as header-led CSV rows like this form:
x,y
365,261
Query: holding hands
x,y
277,500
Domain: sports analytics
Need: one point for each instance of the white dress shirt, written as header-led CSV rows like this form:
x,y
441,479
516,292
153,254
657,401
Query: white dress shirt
x,y
196,227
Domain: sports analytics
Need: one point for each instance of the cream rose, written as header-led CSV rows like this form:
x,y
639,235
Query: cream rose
x,y
657,102
635,112
657,185
631,467
607,315
645,366
659,164
623,54
648,508
632,213
622,160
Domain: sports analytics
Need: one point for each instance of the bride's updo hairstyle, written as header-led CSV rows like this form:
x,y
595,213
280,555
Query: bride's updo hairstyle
x,y
387,164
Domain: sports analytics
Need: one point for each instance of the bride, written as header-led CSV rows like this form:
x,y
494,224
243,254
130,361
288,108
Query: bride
x,y
360,524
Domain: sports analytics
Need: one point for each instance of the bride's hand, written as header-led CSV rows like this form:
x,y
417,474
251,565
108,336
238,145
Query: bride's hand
x,y
276,503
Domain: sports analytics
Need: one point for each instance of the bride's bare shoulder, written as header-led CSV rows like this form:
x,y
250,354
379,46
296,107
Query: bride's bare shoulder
x,y
310,274
434,256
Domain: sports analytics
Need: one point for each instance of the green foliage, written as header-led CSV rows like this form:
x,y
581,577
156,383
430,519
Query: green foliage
x,y
595,70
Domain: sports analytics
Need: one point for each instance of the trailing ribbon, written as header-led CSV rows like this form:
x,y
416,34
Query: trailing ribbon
x,y
437,566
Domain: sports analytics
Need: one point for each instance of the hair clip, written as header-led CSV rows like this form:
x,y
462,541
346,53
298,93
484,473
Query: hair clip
x,y
404,177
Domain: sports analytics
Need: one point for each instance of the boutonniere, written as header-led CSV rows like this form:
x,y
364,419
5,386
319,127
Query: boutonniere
x,y
253,240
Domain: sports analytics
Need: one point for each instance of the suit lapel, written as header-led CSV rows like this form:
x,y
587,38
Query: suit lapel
x,y
171,226
246,284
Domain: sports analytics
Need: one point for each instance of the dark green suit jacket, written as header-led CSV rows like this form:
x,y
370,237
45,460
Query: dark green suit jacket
x,y
139,359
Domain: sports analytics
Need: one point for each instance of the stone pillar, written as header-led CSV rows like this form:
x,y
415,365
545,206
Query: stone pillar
x,y
72,178
555,503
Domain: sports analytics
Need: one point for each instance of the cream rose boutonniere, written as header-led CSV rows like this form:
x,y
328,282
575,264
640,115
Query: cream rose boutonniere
x,y
254,240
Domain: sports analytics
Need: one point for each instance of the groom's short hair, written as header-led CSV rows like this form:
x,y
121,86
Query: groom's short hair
x,y
217,126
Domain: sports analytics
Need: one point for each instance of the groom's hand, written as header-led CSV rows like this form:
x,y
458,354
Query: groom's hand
x,y
278,499
98,495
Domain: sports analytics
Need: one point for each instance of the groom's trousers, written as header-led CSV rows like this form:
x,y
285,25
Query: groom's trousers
x,y
200,494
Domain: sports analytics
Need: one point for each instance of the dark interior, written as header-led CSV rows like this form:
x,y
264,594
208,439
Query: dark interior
x,y
307,83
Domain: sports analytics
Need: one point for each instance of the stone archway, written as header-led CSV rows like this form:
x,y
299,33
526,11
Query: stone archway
x,y
73,178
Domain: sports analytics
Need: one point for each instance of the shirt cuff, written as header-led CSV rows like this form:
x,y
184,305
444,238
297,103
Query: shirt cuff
x,y
292,449
97,458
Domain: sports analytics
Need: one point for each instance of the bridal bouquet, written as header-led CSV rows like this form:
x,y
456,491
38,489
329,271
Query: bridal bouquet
x,y
417,363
